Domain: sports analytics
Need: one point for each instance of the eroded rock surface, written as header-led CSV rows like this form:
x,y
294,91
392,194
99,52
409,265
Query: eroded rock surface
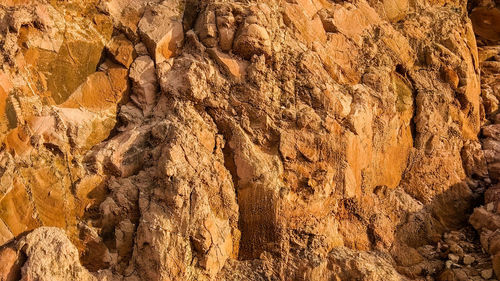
x,y
245,140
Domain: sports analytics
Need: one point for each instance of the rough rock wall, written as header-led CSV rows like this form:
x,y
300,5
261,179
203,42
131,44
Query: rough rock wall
x,y
238,140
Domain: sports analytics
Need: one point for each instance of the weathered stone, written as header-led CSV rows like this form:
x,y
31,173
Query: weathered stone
x,y
453,258
487,273
451,77
126,14
486,22
162,31
310,26
63,262
144,82
474,159
206,29
304,140
395,10
234,67
468,260
68,40
100,91
353,21
487,52
122,50
227,29
252,40
10,268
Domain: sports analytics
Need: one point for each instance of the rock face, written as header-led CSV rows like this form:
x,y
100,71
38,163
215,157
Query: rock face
x,y
243,140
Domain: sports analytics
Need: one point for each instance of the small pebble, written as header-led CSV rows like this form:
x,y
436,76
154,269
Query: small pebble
x,y
454,258
487,273
468,259
454,248
460,275
489,207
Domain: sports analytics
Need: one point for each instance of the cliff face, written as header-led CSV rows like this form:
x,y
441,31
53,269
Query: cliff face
x,y
241,140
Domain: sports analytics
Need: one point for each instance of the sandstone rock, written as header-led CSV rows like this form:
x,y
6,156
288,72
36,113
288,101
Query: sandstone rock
x,y
492,195
61,264
235,68
494,170
468,260
352,21
141,50
11,265
450,76
55,50
481,218
161,30
227,29
486,22
487,273
125,14
474,159
447,275
395,10
297,140
100,91
122,50
490,103
121,156
206,28
453,258
253,39
487,52
348,265
144,82
303,17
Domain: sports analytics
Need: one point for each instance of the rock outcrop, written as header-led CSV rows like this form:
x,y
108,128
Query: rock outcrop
x,y
244,140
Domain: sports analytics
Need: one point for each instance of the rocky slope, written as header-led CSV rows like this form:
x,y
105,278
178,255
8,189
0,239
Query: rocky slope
x,y
249,140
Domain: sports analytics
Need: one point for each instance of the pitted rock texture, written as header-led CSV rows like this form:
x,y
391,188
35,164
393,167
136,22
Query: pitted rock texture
x,y
241,140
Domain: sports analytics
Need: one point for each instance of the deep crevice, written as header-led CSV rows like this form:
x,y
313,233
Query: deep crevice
x,y
413,128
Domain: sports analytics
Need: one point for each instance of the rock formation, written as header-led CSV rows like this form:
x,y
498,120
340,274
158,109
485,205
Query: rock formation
x,y
249,140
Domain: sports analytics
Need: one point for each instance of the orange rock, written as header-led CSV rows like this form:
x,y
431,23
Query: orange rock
x,y
227,29
252,40
206,29
122,50
451,77
486,22
17,209
304,19
162,31
353,22
5,87
144,82
395,10
234,67
10,266
338,62
17,142
487,52
125,14
100,91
